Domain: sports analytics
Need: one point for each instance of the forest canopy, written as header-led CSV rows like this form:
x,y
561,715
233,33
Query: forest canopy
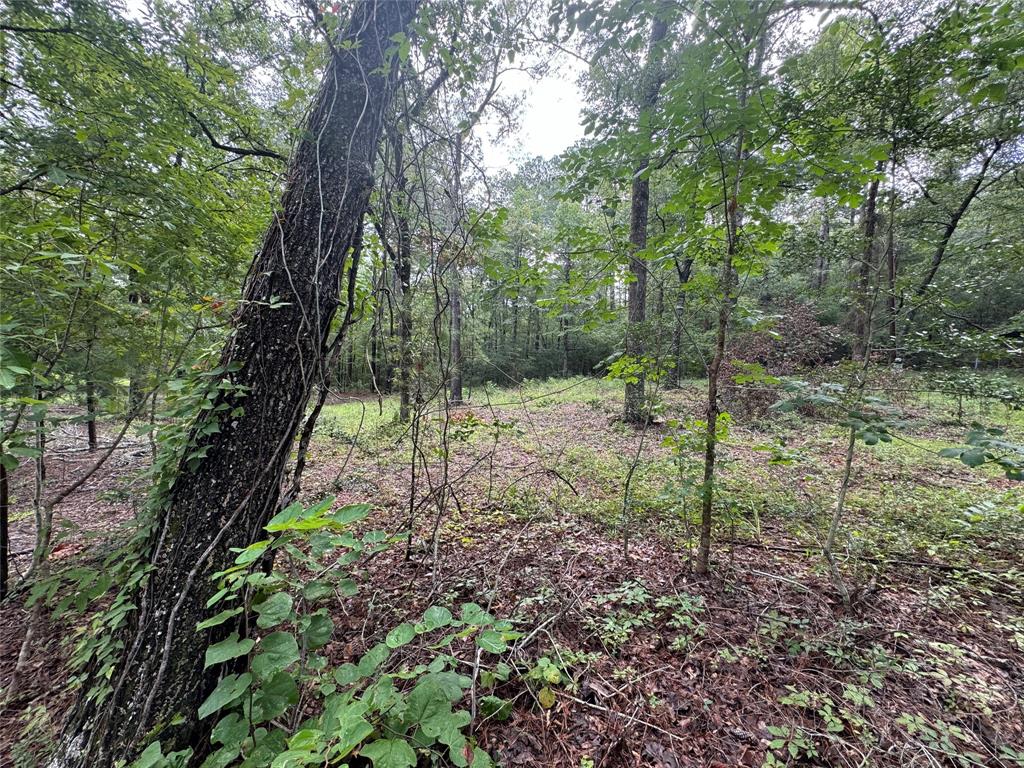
x,y
338,427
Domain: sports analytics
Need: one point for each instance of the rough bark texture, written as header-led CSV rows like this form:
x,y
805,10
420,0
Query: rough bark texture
x,y
635,405
278,345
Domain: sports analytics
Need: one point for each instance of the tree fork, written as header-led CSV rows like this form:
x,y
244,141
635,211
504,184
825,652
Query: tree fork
x,y
273,360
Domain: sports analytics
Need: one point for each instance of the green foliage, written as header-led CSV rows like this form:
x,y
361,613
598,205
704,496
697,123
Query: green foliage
x,y
990,446
379,707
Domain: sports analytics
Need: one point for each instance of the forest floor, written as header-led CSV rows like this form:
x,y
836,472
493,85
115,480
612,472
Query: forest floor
x,y
627,657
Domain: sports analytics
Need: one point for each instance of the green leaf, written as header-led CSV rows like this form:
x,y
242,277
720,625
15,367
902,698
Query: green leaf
x,y
230,730
474,614
400,635
274,610
217,619
345,720
492,641
278,651
151,756
319,631
227,690
350,513
546,697
974,457
437,616
390,753
274,697
229,648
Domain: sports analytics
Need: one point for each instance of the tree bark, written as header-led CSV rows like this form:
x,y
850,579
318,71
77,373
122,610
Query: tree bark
x,y
862,291
635,400
274,357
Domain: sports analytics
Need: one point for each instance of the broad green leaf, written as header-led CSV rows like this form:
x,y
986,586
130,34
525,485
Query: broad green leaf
x,y
390,753
274,610
227,690
400,635
437,616
229,648
278,651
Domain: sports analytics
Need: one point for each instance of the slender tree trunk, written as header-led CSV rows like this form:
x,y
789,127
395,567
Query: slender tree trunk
x,y
947,234
824,244
455,289
862,292
403,269
455,294
727,279
269,366
683,272
635,401
90,412
891,263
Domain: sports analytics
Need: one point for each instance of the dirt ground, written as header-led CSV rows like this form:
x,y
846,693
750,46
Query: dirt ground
x,y
759,663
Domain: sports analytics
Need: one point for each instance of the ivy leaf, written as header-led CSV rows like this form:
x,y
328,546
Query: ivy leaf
x,y
150,757
345,720
975,457
230,730
274,697
227,690
217,619
390,753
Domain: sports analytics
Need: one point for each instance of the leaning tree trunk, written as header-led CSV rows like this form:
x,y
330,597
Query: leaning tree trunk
x,y
273,359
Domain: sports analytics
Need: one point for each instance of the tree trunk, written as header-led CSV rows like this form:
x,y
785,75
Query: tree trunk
x,y
636,297
863,298
733,225
271,363
563,321
947,234
824,243
683,272
455,289
90,411
403,269
455,297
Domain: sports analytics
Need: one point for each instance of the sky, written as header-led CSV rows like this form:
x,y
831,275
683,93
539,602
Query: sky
x,y
549,119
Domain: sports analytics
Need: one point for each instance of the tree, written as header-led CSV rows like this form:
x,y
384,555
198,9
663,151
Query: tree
x,y
226,486
640,197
